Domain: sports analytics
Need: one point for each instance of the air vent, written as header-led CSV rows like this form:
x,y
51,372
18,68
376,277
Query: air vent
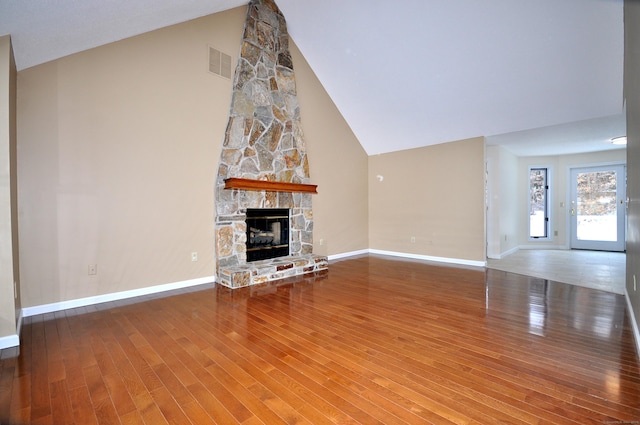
x,y
219,63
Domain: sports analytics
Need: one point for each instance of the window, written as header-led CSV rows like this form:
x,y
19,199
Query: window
x,y
538,202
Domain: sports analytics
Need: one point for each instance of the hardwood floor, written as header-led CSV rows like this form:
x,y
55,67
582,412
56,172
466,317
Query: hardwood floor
x,y
373,341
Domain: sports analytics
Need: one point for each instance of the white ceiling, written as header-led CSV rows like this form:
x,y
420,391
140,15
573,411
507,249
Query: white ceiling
x,y
538,76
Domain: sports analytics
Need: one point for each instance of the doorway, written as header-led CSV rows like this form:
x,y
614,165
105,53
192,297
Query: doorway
x,y
597,207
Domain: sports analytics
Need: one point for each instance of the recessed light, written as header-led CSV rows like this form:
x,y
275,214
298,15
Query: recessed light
x,y
620,140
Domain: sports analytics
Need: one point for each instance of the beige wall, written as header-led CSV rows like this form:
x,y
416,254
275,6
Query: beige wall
x,y
117,153
435,194
560,166
13,175
118,150
632,95
338,165
9,304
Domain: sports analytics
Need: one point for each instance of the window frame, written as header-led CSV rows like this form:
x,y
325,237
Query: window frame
x,y
547,205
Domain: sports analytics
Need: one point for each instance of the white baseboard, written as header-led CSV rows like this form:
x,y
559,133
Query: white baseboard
x,y
98,299
634,324
410,256
430,258
503,254
12,340
9,341
347,254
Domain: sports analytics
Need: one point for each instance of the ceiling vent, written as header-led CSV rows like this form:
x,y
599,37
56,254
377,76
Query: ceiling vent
x,y
219,63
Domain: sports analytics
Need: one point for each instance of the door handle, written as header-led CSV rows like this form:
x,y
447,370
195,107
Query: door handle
x,y
573,211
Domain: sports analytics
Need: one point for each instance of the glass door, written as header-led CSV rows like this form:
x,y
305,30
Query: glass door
x,y
597,208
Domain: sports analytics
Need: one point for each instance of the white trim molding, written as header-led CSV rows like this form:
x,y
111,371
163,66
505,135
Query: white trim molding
x,y
409,256
9,341
504,254
347,254
634,324
115,296
430,258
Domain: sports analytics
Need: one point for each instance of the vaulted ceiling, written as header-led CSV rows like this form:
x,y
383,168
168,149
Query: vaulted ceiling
x,y
543,74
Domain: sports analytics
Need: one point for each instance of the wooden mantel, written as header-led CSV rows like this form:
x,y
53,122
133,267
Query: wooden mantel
x,y
249,184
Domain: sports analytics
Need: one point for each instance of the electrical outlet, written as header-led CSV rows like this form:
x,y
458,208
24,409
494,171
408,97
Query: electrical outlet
x,y
413,239
194,256
93,269
321,242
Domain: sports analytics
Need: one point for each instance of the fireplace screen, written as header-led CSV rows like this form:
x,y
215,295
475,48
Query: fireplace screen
x,y
267,233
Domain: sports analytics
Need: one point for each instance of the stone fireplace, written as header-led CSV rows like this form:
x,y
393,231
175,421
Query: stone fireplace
x,y
263,163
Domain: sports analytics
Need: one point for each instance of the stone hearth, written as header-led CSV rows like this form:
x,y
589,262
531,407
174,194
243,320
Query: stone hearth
x,y
269,270
263,141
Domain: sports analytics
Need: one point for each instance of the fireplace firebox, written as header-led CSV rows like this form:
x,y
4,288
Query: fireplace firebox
x,y
267,233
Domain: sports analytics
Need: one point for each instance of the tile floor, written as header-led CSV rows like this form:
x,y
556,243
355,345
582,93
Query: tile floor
x,y
593,269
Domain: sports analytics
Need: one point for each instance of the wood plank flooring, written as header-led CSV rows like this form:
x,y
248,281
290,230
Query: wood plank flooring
x,y
373,341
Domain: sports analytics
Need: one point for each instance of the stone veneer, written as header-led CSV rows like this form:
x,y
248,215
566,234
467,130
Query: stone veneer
x,y
263,141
